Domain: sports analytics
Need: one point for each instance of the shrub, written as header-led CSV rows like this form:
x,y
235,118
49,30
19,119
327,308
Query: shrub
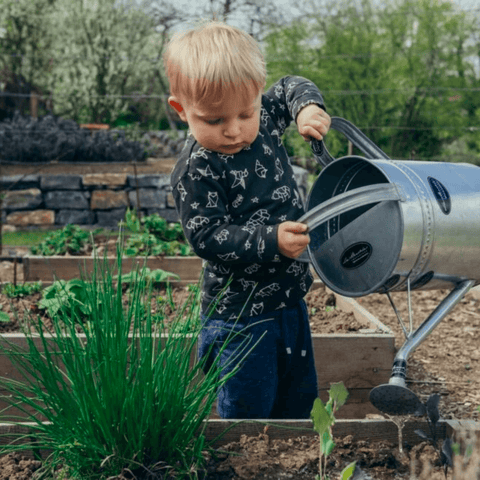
x,y
47,139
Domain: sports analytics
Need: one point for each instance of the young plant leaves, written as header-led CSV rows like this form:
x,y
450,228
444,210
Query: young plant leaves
x,y
347,472
322,420
327,444
446,454
432,408
338,393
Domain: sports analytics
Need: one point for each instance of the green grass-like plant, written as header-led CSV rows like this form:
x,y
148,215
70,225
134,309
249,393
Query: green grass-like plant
x,y
113,403
24,237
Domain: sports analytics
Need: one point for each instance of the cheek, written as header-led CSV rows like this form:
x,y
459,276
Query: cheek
x,y
205,135
253,130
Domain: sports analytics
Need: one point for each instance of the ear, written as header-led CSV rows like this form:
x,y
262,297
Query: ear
x,y
174,102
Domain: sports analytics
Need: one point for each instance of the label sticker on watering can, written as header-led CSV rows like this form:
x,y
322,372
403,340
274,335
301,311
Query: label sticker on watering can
x,y
356,255
441,194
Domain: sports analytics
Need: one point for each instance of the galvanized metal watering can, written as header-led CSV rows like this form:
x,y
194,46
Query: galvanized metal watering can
x,y
381,225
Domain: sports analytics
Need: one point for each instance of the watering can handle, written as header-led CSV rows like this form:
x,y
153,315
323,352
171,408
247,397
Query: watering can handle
x,y
356,136
348,201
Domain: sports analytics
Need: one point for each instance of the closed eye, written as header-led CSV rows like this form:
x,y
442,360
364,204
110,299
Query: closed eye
x,y
217,121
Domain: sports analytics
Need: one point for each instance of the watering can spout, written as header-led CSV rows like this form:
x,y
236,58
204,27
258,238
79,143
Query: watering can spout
x,y
442,310
395,398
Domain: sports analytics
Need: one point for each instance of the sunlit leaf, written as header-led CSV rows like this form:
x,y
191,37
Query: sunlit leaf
x,y
338,393
347,472
322,420
327,444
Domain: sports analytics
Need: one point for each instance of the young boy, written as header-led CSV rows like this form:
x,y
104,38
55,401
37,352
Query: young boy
x,y
237,198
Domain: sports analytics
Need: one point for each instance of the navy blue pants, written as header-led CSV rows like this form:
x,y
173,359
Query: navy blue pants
x,y
277,379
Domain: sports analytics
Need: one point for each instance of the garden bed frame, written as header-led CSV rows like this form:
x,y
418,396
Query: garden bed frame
x,y
49,269
221,432
361,360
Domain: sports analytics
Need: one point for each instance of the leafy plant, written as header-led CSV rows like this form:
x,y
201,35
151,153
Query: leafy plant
x,y
4,318
149,276
323,417
433,416
153,235
67,296
71,239
114,405
21,290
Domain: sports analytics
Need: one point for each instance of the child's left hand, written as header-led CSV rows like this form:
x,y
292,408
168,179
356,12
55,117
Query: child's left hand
x,y
313,122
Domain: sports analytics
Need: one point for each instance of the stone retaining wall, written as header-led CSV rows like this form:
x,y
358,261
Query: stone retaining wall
x,y
97,200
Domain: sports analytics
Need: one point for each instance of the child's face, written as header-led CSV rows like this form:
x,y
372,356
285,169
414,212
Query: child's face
x,y
226,128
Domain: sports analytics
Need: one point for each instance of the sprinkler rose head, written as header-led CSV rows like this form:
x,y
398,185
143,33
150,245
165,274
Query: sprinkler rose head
x,y
396,400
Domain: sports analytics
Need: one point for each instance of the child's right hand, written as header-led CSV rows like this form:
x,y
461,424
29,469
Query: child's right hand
x,y
292,239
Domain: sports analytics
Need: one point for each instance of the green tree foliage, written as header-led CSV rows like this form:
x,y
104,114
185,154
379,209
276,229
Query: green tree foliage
x,y
395,65
25,42
95,58
100,53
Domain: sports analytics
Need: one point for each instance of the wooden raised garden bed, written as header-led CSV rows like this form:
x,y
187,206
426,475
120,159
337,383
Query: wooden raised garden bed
x,y
362,360
49,269
370,430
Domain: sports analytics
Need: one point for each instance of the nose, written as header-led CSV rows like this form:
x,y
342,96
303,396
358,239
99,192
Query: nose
x,y
232,129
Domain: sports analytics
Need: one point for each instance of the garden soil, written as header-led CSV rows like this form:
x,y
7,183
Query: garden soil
x,y
447,363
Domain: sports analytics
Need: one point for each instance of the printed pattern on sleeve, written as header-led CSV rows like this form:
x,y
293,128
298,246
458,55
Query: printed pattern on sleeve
x,y
230,207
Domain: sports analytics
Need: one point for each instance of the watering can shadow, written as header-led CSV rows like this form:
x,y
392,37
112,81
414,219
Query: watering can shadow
x,y
378,225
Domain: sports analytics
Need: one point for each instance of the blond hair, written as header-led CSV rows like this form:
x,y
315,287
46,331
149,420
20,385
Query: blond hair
x,y
204,62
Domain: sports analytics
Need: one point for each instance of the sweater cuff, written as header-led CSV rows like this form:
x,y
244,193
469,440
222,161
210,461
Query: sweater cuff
x,y
298,108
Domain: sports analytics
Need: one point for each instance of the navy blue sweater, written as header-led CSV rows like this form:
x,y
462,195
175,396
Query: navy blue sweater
x,y
230,207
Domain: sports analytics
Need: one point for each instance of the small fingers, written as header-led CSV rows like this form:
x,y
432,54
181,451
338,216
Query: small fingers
x,y
311,132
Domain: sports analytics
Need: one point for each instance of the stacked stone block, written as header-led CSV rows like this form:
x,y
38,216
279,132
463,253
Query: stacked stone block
x,y
97,200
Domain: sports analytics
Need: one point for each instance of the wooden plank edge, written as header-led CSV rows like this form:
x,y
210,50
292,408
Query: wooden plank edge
x,y
33,265
220,431
173,283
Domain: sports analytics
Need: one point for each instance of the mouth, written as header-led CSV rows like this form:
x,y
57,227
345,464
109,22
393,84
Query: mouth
x,y
237,145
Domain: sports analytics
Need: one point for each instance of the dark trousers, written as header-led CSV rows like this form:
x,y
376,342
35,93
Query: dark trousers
x,y
277,379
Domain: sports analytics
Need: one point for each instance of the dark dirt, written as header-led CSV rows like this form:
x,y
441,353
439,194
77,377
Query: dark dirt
x,y
447,362
262,458
325,319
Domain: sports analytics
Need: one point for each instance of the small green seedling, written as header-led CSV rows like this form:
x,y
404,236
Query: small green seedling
x,y
150,276
21,290
323,417
4,318
153,235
